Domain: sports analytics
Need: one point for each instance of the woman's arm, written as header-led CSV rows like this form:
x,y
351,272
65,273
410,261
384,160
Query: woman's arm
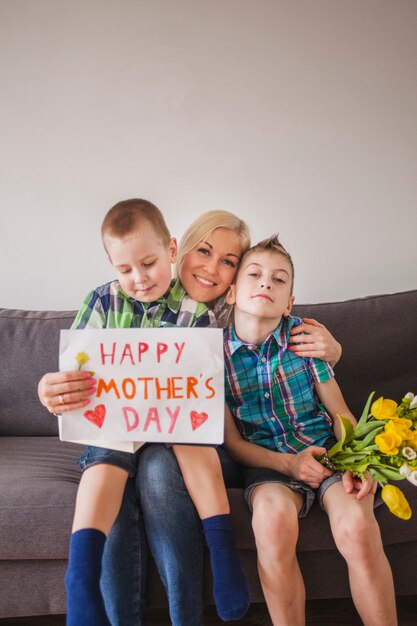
x,y
312,339
302,466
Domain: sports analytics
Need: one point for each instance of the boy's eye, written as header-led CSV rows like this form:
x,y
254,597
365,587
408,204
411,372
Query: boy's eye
x,y
254,275
279,280
149,264
125,271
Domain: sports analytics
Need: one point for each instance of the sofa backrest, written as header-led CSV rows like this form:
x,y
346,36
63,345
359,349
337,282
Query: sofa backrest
x,y
29,343
378,335
379,340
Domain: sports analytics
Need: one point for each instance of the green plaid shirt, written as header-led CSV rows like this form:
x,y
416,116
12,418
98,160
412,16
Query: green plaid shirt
x,y
109,306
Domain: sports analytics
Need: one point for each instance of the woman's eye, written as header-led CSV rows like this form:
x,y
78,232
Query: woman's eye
x,y
229,263
203,250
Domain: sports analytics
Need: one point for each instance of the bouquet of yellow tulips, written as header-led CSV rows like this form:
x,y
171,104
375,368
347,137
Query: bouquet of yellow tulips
x,y
384,443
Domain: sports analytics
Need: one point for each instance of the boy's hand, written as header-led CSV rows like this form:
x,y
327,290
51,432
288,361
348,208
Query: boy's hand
x,y
303,466
362,486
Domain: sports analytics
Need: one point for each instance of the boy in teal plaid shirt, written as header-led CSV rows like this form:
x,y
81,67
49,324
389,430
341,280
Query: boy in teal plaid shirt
x,y
282,413
141,250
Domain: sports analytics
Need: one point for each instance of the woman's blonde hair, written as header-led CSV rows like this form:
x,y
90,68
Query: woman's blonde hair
x,y
204,225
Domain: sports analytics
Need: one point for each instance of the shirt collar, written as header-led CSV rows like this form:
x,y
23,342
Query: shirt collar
x,y
281,335
172,297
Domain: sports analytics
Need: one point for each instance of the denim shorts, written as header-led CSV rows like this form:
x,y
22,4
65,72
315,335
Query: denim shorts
x,y
95,456
260,476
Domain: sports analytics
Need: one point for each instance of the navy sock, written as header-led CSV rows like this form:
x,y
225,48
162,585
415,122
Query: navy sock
x,y
231,593
85,605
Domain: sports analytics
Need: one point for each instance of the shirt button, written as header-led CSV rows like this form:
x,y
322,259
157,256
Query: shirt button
x,y
279,444
263,360
267,395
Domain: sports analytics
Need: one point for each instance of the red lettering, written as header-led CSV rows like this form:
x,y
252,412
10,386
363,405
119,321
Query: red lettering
x,y
104,355
127,353
179,350
153,416
130,424
173,417
142,348
161,348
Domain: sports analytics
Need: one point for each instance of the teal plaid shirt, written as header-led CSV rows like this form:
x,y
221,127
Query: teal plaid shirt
x,y
109,306
270,392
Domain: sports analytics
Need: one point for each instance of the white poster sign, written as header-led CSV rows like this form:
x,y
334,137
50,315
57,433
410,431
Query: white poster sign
x,y
157,385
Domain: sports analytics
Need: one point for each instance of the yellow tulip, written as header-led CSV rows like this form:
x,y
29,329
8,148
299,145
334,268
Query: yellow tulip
x,y
396,501
400,427
388,443
383,409
412,442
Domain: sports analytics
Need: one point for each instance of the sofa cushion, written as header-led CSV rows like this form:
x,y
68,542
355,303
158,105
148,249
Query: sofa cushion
x,y
38,483
29,343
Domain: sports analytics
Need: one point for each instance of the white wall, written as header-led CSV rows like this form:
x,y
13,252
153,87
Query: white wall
x,y
299,115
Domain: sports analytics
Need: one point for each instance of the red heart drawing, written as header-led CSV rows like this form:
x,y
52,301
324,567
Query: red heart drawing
x,y
197,419
97,415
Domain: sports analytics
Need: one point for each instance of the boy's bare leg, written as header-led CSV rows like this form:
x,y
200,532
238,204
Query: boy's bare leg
x,y
275,525
99,497
358,539
202,472
201,469
98,502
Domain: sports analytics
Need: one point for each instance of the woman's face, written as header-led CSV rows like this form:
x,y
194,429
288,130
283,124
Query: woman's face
x,y
209,268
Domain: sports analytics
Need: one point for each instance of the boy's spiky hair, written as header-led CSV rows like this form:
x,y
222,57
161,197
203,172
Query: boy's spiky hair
x,y
271,244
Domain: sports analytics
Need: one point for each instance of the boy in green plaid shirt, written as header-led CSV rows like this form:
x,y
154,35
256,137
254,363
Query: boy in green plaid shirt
x,y
282,413
141,250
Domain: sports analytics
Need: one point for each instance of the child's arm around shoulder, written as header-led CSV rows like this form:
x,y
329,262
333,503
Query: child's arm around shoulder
x,y
302,466
331,397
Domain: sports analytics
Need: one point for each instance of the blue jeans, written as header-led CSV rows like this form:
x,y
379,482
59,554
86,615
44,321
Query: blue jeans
x,y
173,530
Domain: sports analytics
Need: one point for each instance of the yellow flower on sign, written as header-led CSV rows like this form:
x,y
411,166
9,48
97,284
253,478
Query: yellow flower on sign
x,y
388,443
82,358
383,409
396,501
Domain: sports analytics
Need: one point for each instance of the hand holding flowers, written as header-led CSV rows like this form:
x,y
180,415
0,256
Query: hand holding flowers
x,y
383,443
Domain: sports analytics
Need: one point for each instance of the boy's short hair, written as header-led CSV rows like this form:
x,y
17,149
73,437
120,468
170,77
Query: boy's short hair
x,y
271,244
127,216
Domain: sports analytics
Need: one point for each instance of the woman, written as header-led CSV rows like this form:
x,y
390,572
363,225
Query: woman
x,y
208,257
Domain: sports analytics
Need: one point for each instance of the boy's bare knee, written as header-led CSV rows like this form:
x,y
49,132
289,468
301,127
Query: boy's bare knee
x,y
274,522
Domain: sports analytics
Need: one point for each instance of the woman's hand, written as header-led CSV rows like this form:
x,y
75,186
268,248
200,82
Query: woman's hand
x,y
65,391
318,343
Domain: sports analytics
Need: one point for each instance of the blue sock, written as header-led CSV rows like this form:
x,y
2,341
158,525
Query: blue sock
x,y
231,593
85,603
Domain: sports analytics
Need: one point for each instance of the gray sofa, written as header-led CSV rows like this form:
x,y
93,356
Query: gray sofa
x,y
39,474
